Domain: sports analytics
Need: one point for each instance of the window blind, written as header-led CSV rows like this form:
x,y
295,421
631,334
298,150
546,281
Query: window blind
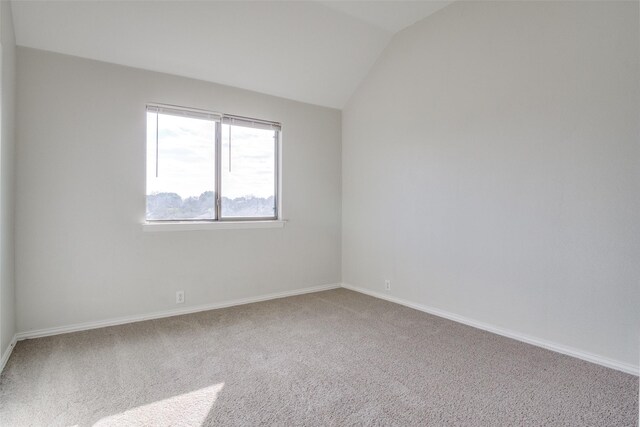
x,y
250,123
183,112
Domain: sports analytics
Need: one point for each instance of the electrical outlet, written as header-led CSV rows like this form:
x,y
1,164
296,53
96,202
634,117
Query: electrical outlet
x,y
179,297
387,285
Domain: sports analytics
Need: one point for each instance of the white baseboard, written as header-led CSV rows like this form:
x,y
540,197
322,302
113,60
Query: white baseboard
x,y
7,353
559,348
37,333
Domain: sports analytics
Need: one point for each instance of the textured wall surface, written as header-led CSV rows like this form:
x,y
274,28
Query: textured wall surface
x,y
81,252
7,181
490,169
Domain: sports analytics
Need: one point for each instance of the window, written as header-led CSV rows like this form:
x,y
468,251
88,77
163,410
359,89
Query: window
x,y
203,166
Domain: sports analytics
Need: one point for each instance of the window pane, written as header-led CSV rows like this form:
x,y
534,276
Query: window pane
x,y
181,184
248,172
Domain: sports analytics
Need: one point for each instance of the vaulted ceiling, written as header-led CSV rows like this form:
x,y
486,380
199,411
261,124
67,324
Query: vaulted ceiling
x,y
310,51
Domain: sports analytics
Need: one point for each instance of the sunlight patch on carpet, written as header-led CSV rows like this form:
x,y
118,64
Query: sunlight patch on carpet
x,y
185,409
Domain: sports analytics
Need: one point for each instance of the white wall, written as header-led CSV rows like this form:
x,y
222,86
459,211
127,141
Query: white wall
x,y
81,252
7,159
491,170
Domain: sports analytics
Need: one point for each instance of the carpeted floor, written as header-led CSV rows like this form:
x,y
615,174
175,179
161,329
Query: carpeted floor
x,y
329,358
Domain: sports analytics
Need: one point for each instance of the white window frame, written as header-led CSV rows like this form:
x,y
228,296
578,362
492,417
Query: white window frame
x,y
219,222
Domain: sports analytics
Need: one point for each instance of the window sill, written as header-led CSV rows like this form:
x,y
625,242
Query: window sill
x,y
217,225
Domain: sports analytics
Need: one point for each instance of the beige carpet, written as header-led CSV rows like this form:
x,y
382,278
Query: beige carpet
x,y
329,358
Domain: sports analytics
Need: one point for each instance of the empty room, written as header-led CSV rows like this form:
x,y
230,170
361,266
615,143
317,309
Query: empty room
x,y
312,213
